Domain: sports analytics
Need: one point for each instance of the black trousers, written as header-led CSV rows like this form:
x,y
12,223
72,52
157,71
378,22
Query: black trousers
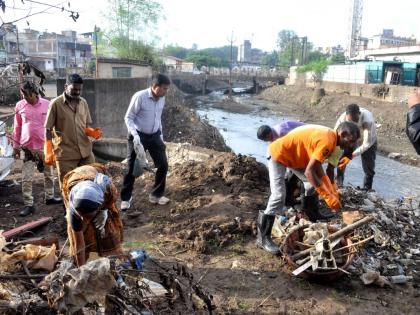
x,y
157,149
368,164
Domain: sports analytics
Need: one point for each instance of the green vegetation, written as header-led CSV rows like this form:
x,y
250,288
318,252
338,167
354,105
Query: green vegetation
x,y
317,68
129,33
295,50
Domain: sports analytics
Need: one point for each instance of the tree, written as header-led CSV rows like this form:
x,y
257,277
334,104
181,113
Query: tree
x,y
202,58
315,56
290,48
129,22
338,58
317,68
176,51
271,60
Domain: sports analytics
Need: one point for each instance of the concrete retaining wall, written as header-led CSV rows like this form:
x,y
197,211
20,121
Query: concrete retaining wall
x,y
108,101
396,93
116,150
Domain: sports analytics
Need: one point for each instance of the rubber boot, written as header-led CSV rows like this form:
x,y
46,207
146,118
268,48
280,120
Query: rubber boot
x,y
310,205
264,227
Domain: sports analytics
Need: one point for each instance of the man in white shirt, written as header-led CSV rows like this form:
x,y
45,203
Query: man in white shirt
x,y
367,149
144,124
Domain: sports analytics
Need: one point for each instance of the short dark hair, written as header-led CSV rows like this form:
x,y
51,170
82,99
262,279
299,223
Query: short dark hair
x,y
74,78
353,109
264,133
161,79
29,87
349,127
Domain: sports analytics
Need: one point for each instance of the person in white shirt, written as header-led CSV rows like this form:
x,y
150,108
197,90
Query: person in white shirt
x,y
143,120
367,149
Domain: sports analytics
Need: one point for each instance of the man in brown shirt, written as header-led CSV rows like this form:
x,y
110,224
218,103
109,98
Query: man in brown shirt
x,y
68,130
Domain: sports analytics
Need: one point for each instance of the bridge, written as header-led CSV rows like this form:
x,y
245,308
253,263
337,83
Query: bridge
x,y
206,82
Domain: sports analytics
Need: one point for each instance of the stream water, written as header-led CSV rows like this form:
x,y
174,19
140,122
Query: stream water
x,y
392,179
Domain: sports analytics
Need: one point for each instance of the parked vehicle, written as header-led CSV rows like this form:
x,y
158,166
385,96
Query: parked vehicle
x,y
6,152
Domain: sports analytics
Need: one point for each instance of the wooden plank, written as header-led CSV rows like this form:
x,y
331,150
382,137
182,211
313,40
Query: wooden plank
x,y
27,226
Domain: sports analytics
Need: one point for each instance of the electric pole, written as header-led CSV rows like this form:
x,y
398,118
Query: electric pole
x,y
231,41
96,30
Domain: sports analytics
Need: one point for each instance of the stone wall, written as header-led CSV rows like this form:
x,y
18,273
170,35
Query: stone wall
x,y
396,93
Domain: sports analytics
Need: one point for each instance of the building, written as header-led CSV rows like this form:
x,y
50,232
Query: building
x,y
387,40
123,68
245,52
9,52
48,51
400,54
388,72
177,64
334,50
66,50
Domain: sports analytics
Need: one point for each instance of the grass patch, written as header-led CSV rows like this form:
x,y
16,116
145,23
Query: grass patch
x,y
138,245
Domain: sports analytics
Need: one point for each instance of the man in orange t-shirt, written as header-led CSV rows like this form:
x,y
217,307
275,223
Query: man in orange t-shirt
x,y
303,150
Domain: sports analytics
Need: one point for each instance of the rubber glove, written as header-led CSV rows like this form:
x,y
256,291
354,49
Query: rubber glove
x,y
49,153
324,190
332,187
139,149
100,221
94,132
343,162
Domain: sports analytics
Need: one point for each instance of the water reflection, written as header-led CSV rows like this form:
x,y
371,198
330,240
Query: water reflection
x,y
392,179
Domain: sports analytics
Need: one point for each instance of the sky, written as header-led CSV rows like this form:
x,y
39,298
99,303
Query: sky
x,y
210,23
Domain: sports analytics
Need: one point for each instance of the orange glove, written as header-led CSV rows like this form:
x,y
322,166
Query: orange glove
x,y
343,162
94,132
332,187
49,153
325,191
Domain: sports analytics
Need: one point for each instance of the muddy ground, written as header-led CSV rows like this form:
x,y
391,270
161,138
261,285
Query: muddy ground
x,y
209,226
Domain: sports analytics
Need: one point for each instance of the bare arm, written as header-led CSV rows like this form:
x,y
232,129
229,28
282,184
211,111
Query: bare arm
x,y
314,172
79,248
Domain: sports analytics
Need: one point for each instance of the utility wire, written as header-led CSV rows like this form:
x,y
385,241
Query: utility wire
x,y
73,14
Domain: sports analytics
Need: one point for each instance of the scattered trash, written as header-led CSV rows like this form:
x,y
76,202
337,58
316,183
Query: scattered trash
x,y
395,155
26,227
69,289
374,277
401,279
350,217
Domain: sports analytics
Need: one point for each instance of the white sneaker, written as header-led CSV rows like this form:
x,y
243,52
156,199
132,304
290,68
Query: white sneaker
x,y
125,205
159,200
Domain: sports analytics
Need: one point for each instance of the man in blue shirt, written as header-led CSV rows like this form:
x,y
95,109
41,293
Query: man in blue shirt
x,y
144,124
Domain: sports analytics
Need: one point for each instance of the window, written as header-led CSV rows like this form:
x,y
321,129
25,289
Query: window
x,y
121,72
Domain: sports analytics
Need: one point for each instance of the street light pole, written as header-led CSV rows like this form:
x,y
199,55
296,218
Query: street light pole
x,y
96,51
231,40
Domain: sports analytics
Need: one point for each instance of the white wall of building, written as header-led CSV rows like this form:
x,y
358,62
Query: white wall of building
x,y
355,73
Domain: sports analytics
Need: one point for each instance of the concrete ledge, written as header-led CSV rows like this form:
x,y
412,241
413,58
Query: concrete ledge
x,y
112,149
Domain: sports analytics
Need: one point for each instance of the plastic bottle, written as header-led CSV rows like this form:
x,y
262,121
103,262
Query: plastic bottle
x,y
400,279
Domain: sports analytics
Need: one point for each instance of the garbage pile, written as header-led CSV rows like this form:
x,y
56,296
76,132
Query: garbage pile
x,y
35,278
381,241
